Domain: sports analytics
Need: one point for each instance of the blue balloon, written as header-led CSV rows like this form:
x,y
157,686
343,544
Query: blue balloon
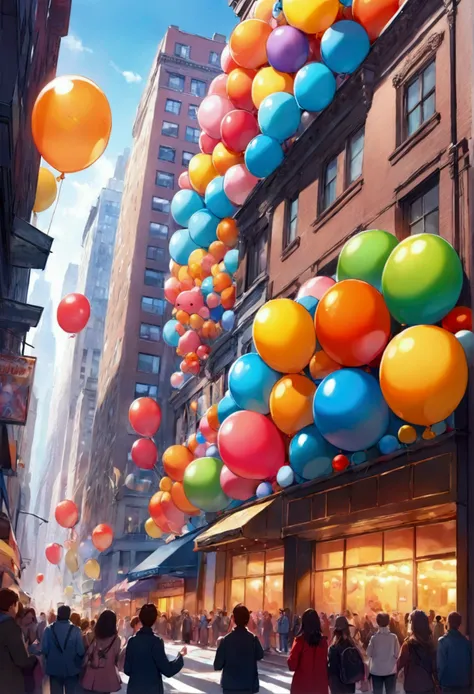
x,y
231,261
184,204
279,116
251,382
264,489
203,228
315,87
389,444
181,246
228,320
450,422
439,428
310,454
216,313
216,199
346,3
207,286
226,407
350,411
200,437
344,46
466,339
263,156
213,452
310,304
170,336
285,476
359,458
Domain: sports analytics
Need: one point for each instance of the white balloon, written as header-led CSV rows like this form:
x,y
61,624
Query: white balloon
x,y
466,338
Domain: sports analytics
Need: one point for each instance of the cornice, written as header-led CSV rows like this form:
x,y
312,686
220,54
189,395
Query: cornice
x,y
425,51
166,59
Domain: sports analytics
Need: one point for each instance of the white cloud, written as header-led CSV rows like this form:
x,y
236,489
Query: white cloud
x,y
75,45
128,75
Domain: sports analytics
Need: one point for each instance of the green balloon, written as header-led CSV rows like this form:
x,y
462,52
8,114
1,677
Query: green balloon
x,y
202,485
422,280
364,256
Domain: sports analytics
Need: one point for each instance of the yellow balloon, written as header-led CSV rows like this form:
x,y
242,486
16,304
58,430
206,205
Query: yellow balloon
x,y
46,190
268,81
284,335
201,172
71,561
291,403
423,374
165,484
69,591
92,569
152,530
407,434
311,16
428,434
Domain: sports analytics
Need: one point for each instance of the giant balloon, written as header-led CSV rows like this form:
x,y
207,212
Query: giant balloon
x,y
73,313
236,487
238,184
345,46
364,256
175,461
291,403
239,88
181,246
212,110
263,156
311,16
66,513
201,172
287,49
102,537
184,204
144,415
315,87
238,128
223,159
251,382
310,454
217,201
248,43
268,81
279,116
203,228
202,485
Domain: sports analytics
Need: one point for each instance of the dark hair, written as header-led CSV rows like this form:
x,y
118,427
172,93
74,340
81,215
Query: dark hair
x,y
438,618
454,620
421,631
134,621
148,615
383,619
8,598
64,612
84,624
311,627
241,615
106,625
31,611
93,623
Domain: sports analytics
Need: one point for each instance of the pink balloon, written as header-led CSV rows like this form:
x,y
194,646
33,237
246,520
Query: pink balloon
x,y
211,112
176,518
316,287
213,300
204,313
237,487
207,144
218,85
172,289
203,351
239,183
189,342
251,446
180,329
184,182
200,451
177,379
207,431
194,368
207,262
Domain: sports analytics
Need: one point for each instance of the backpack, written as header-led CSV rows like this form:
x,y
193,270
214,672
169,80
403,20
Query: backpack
x,y
351,668
98,656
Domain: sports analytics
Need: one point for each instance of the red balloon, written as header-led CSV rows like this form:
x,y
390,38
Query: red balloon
x,y
218,86
102,537
207,431
66,514
73,313
459,318
340,463
237,487
227,61
54,552
155,509
39,578
145,416
238,128
144,454
251,446
207,143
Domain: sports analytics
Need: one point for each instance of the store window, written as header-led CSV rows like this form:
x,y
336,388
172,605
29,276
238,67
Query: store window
x,y
257,580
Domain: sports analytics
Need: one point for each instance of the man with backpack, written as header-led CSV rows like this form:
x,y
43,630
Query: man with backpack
x,y
345,664
63,650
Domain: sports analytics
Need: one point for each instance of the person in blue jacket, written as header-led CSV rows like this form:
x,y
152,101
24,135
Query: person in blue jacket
x,y
454,657
63,650
283,627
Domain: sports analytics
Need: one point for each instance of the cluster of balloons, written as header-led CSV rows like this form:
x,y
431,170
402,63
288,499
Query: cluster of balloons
x,y
145,418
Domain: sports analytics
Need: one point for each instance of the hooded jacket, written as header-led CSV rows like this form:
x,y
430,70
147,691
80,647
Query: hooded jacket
x,y
14,657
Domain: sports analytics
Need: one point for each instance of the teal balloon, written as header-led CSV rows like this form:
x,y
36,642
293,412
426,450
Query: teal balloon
x,y
359,458
231,261
439,428
170,336
251,382
466,338
226,407
217,201
279,116
184,204
202,485
203,228
181,246
207,286
364,256
310,454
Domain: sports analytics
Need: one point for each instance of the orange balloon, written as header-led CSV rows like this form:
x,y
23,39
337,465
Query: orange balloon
x,y
223,159
239,88
195,263
248,43
212,417
175,461
182,317
193,443
155,509
459,318
228,298
194,407
264,10
102,537
209,330
215,270
321,365
191,358
173,515
374,14
291,403
218,250
165,484
196,322
71,123
174,268
221,281
185,278
181,502
228,232
352,323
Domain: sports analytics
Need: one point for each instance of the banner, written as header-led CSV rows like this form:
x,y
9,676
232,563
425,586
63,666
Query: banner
x,y
16,384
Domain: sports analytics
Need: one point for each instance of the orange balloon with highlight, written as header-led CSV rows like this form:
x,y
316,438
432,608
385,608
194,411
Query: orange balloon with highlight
x,y
228,232
155,509
221,281
181,501
223,158
195,263
182,317
174,268
102,537
321,365
264,10
239,88
374,15
218,250
212,417
175,461
192,442
228,296
196,322
291,403
185,278
210,330
165,484
459,318
248,43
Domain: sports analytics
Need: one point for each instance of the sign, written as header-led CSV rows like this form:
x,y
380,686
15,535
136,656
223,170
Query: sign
x,y
16,384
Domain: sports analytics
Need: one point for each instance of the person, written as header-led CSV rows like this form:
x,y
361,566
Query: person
x,y
225,623
383,650
187,628
216,627
51,617
42,624
75,619
204,630
100,664
417,658
63,651
345,664
135,625
295,628
438,630
29,627
14,658
308,657
283,626
454,659
267,631
237,656
145,657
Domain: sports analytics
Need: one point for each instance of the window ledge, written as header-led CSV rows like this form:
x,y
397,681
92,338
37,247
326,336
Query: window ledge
x,y
338,204
291,248
406,146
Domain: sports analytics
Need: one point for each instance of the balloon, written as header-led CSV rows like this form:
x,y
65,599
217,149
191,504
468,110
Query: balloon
x,y
459,319
268,81
218,86
359,458
53,553
423,374
71,561
227,62
251,445
374,15
310,304
311,16
287,49
71,123
216,199
263,156
231,261
201,173
203,228
216,313
239,88
202,485
279,116
181,501
439,428
166,484
345,46
175,461
46,190
213,300
226,407
144,454
212,452
181,246
92,569
184,204
310,454
210,330
251,382
228,232
264,489
66,514
69,591
238,184
285,476
284,336
263,9
238,128
189,342
144,415
223,159
228,296
102,537
340,463
213,418
466,340
291,403
73,313
364,256
152,530
237,487
212,110
183,181
207,286
321,365
210,434
172,289
39,578
316,287
388,444
156,511
315,87
349,410
407,434
207,143
248,43
177,379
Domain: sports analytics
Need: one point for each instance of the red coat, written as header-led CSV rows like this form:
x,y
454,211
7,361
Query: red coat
x,y
310,665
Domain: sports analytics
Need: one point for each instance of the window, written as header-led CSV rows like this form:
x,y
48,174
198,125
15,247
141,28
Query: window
x,y
167,153
186,158
170,129
164,180
182,51
355,156
155,253
173,106
420,99
153,278
150,332
160,205
134,519
176,82
292,222
148,363
95,363
257,580
198,88
423,212
214,58
150,305
192,134
193,111
330,182
256,258
144,390
157,229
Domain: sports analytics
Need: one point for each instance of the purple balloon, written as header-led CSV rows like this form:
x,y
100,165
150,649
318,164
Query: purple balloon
x,y
287,49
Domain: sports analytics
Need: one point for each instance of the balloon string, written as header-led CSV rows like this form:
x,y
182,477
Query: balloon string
x,y
60,187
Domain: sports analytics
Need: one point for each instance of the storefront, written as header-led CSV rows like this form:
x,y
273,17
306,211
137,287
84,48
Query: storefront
x,y
168,595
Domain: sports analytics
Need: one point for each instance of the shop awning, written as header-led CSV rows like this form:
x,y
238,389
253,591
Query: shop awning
x,y
16,315
119,589
30,247
143,587
8,556
177,558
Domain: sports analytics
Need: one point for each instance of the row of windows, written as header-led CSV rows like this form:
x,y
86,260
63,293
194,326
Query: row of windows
x,y
177,83
169,154
170,129
174,106
183,51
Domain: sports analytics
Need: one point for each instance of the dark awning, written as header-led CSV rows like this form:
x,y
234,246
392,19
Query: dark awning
x,y
18,316
176,558
30,247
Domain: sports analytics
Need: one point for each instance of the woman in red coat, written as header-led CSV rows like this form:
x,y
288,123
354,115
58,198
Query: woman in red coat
x,y
309,657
